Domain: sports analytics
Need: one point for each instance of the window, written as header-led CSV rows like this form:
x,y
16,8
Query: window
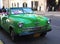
x,y
12,4
34,5
24,4
16,11
17,4
27,10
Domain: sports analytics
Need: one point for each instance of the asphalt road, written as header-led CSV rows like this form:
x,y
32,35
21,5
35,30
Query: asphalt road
x,y
52,37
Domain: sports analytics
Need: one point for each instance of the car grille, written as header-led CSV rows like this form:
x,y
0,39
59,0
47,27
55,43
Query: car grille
x,y
36,29
33,29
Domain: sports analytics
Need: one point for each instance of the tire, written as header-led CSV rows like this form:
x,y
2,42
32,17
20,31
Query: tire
x,y
43,34
12,34
0,27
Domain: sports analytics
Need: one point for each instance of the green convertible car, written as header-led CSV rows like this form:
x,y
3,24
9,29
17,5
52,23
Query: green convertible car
x,y
23,22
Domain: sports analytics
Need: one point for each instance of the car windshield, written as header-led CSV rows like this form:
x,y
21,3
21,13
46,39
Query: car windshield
x,y
21,10
16,11
27,10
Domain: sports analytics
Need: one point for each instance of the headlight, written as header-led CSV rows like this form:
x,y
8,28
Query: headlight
x,y
20,24
49,21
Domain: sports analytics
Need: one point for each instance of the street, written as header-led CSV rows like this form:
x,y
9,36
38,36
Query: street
x,y
52,37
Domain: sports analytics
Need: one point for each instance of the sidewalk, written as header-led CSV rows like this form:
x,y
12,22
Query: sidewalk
x,y
1,42
48,13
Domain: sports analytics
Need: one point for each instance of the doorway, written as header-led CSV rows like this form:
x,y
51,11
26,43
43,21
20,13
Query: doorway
x,y
24,4
53,5
34,5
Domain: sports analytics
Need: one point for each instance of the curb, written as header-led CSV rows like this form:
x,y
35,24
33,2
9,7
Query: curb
x,y
1,42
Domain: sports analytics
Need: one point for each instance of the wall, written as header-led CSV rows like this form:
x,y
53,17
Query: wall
x,y
6,3
1,3
42,4
20,3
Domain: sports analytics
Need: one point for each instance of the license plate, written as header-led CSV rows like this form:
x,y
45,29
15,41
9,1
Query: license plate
x,y
36,35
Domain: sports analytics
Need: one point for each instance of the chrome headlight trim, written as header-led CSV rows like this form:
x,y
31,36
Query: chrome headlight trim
x,y
49,21
20,24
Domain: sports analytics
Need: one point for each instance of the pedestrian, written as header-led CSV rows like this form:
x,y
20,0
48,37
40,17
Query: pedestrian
x,y
3,9
0,10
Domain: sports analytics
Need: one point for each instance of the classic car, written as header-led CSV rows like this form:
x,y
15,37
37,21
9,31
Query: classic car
x,y
23,21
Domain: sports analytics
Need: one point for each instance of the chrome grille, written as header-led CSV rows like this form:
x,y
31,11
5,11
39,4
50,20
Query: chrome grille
x,y
32,29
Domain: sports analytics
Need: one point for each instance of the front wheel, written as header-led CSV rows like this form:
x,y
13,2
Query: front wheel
x,y
12,34
43,34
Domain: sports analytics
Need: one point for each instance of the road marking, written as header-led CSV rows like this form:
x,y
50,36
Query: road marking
x,y
1,42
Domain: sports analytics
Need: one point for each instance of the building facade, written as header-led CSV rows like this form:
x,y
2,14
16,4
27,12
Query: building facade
x,y
34,4
40,5
1,3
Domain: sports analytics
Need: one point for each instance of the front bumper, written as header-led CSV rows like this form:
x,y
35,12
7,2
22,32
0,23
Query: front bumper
x,y
35,30
29,33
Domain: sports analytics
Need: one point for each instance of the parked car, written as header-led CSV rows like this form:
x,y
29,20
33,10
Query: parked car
x,y
23,21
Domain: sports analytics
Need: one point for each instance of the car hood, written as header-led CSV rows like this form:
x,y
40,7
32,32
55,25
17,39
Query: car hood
x,y
29,19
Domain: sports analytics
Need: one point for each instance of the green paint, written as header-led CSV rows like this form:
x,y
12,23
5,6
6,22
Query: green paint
x,y
28,20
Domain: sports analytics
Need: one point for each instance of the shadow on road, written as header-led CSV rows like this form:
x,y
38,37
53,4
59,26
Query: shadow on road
x,y
20,40
28,40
